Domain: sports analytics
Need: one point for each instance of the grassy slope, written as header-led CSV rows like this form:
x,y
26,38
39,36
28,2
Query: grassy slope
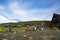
x,y
21,23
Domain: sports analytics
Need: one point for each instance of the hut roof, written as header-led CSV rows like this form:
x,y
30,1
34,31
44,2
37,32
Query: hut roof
x,y
56,17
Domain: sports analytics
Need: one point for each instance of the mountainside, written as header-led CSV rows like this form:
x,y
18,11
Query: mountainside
x,y
23,24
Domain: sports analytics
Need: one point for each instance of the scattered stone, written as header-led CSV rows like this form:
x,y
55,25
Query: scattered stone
x,y
42,29
30,38
12,36
1,33
51,36
14,32
4,39
41,36
9,32
44,37
5,34
24,35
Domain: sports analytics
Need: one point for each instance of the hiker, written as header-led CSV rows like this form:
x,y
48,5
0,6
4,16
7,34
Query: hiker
x,y
10,28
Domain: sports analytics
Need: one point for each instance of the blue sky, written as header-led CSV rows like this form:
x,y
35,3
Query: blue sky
x,y
28,10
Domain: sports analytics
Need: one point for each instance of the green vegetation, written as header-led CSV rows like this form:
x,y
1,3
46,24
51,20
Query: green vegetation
x,y
23,24
13,29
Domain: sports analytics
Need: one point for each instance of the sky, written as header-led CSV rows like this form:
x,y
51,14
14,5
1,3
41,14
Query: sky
x,y
28,10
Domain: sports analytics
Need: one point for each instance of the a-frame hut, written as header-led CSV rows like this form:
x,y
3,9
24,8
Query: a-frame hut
x,y
55,21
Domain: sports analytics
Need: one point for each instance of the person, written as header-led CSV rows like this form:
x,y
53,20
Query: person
x,y
10,28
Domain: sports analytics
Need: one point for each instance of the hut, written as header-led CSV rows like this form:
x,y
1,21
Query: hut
x,y
55,21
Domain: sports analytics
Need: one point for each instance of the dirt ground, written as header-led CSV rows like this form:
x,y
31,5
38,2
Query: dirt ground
x,y
46,34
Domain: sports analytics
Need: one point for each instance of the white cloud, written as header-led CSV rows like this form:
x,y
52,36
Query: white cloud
x,y
5,20
33,14
18,12
4,17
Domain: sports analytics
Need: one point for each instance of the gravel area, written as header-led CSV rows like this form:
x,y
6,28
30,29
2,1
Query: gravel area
x,y
31,35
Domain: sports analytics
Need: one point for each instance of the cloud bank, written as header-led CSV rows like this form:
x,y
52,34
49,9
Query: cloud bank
x,y
20,10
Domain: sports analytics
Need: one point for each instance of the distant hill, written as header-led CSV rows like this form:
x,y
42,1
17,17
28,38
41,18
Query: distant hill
x,y
23,24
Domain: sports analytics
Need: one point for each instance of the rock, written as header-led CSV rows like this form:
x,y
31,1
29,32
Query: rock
x,y
5,34
14,32
4,39
30,38
24,35
12,36
44,37
51,36
1,33
42,29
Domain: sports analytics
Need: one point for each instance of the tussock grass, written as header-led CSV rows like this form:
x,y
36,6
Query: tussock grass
x,y
22,29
